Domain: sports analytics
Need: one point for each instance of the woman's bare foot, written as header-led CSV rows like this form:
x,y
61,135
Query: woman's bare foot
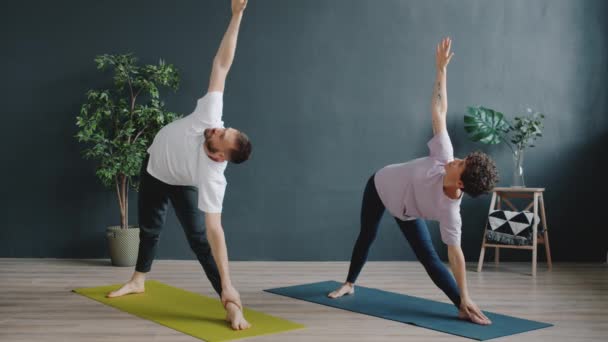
x,y
135,285
346,289
235,317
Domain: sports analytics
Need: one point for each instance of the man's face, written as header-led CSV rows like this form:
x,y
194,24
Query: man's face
x,y
218,142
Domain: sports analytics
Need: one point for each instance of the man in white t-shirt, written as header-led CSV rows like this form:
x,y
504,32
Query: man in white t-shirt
x,y
427,188
185,166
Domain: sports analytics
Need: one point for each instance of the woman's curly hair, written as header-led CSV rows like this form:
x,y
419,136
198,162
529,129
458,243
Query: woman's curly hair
x,y
480,174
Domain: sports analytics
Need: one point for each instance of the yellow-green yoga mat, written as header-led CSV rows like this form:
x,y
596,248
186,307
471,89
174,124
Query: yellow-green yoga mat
x,y
187,312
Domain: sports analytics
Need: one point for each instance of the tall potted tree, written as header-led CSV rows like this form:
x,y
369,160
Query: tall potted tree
x,y
117,125
489,126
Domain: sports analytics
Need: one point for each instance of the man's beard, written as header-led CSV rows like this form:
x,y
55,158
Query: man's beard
x,y
210,148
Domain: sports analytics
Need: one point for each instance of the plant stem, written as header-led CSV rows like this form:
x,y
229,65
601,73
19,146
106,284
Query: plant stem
x,y
126,202
123,219
120,201
139,133
506,141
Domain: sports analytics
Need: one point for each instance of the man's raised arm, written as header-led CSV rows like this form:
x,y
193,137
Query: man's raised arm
x,y
225,54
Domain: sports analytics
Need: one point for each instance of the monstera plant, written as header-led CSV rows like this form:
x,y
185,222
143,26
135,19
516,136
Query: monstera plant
x,y
489,126
118,124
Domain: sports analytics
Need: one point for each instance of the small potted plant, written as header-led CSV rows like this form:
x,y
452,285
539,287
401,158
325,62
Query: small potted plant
x,y
488,126
117,125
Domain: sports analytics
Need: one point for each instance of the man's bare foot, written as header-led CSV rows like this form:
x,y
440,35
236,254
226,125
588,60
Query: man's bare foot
x,y
235,317
473,318
133,286
346,289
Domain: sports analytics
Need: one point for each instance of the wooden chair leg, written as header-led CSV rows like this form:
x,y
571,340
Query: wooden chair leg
x,y
548,251
535,236
546,234
481,255
534,254
499,200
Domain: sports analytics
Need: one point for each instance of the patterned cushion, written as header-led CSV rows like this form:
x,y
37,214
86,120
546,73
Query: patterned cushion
x,y
511,227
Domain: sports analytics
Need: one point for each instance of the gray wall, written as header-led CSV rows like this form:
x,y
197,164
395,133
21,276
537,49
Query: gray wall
x,y
329,91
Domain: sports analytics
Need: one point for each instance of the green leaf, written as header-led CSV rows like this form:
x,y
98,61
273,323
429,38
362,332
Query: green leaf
x,y
485,125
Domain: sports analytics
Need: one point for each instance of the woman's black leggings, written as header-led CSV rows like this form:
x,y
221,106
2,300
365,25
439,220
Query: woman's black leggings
x,y
416,233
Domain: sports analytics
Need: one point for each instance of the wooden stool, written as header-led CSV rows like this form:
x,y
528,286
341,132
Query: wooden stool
x,y
502,195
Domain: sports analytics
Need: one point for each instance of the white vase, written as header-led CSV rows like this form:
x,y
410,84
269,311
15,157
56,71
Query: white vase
x,y
518,169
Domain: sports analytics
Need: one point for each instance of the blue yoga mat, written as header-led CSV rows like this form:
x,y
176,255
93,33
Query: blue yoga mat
x,y
407,309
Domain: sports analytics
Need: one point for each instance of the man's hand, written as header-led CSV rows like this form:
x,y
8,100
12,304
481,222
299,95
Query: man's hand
x,y
231,295
443,55
470,311
238,6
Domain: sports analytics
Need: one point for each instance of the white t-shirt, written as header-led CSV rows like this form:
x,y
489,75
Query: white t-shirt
x,y
177,155
415,189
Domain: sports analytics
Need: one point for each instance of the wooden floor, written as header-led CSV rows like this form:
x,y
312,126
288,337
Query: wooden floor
x,y
36,303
